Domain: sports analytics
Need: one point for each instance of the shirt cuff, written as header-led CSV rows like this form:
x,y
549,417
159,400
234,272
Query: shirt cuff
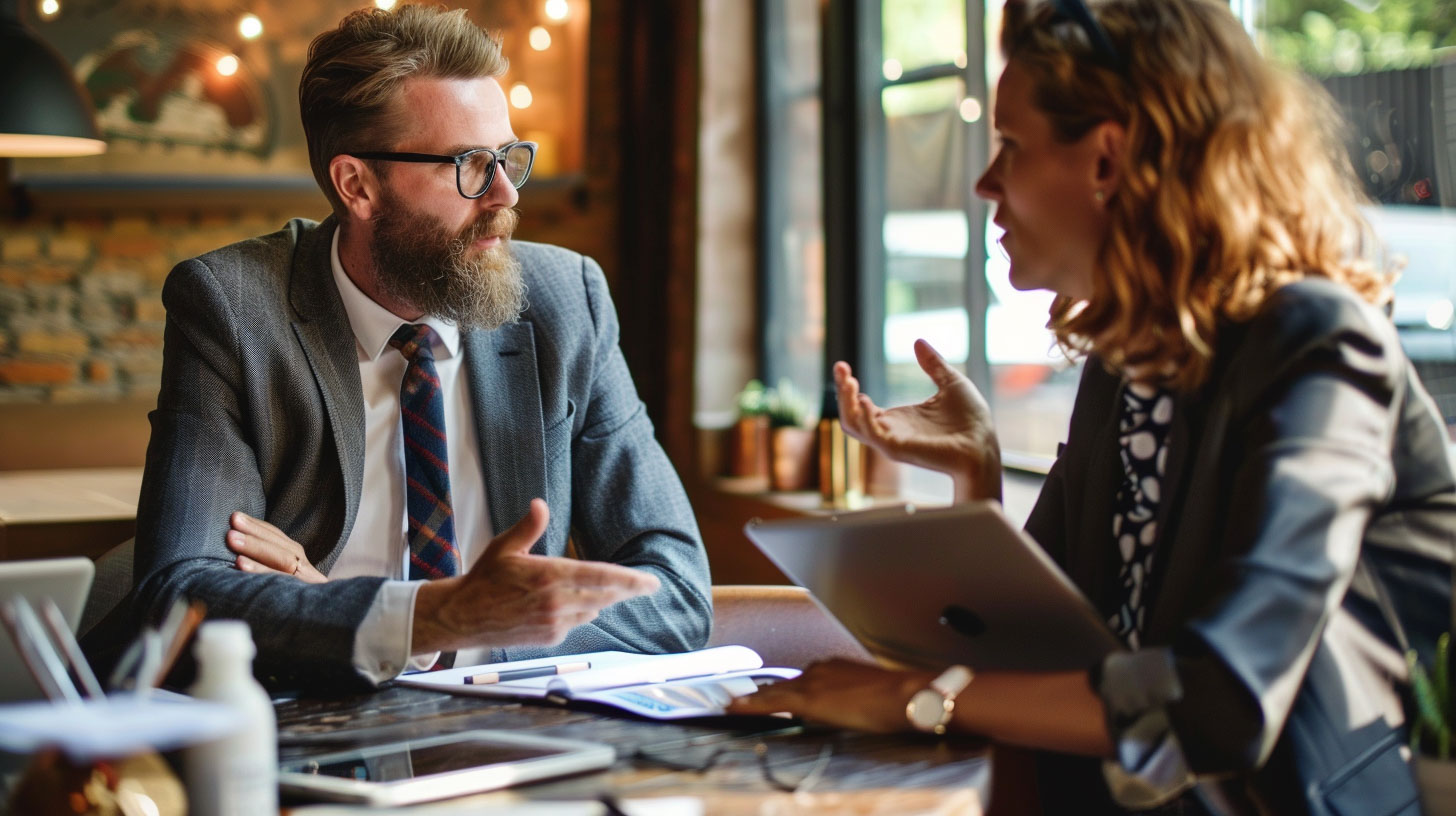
x,y
382,643
1136,688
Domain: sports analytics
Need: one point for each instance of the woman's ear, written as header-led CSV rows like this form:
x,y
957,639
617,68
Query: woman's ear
x,y
1107,139
356,184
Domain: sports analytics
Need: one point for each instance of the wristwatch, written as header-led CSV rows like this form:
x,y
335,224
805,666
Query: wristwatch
x,y
930,709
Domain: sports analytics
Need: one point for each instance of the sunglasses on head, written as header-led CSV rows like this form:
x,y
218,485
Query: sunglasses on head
x,y
1076,11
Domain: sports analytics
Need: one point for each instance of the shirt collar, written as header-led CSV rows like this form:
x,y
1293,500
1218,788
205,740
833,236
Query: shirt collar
x,y
373,324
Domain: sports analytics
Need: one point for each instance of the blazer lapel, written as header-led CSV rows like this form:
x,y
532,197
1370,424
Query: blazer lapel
x,y
506,394
323,330
1088,565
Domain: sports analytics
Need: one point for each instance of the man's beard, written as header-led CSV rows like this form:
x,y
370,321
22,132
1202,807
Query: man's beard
x,y
417,261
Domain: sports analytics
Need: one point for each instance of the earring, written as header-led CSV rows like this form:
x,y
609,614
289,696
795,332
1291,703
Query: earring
x,y
1100,196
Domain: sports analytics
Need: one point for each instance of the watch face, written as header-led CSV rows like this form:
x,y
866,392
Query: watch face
x,y
926,709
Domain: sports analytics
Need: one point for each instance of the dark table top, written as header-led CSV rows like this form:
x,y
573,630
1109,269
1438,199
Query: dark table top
x,y
834,771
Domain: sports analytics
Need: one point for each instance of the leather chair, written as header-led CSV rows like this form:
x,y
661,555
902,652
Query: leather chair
x,y
782,623
110,586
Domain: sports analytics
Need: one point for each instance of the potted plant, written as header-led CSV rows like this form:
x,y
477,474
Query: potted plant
x,y
1430,728
748,454
791,444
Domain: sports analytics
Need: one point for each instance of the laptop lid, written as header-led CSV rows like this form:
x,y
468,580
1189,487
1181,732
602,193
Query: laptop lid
x,y
65,581
932,587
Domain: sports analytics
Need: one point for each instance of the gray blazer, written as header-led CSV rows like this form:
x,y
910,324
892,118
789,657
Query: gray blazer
x,y
1312,459
261,410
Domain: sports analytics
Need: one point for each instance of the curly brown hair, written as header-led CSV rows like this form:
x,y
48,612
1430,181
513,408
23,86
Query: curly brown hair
x,y
1234,180
350,83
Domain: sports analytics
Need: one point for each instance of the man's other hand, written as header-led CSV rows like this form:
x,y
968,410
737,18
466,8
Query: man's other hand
x,y
263,548
511,597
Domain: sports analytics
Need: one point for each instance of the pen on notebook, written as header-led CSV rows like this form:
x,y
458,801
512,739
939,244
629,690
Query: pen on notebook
x,y
522,674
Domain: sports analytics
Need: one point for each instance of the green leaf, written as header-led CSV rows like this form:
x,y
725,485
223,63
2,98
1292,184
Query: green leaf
x,y
1442,670
1427,706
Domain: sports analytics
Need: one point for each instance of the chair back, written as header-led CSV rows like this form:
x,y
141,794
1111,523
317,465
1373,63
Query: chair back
x,y
782,623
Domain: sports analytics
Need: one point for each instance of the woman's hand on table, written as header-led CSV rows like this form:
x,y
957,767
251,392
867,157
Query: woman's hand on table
x,y
262,548
842,693
951,432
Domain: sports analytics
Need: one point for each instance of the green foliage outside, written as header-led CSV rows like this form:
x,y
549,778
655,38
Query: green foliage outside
x,y
1334,37
920,33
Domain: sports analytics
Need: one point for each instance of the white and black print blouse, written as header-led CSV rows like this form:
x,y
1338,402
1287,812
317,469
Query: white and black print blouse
x,y
1147,414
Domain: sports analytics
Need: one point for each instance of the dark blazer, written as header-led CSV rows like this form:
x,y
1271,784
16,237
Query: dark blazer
x,y
1312,449
261,410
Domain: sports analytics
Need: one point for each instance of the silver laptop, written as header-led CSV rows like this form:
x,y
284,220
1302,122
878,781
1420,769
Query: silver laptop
x,y
928,588
65,581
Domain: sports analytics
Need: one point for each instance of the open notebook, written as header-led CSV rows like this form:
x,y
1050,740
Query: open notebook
x,y
662,687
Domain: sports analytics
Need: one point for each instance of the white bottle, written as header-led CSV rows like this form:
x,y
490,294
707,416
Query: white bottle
x,y
238,774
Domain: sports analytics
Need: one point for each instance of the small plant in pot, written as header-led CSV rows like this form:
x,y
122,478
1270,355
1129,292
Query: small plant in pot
x,y
791,444
1430,729
748,443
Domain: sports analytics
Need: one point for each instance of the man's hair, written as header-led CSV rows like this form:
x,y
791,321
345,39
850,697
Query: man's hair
x,y
349,91
1234,179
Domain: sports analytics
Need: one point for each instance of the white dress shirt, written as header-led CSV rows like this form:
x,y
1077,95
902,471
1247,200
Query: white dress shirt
x,y
378,543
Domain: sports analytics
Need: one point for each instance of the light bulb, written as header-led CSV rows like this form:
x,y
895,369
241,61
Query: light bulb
x,y
250,27
520,95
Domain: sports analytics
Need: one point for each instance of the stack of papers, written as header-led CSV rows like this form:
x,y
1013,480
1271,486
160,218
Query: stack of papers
x,y
662,687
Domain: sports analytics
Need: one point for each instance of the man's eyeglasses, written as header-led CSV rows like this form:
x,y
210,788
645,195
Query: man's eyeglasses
x,y
474,169
1076,11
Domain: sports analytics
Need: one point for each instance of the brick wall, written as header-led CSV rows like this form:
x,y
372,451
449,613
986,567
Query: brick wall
x,y
81,314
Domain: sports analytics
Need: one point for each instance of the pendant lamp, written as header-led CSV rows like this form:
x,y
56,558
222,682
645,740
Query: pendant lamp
x,y
43,111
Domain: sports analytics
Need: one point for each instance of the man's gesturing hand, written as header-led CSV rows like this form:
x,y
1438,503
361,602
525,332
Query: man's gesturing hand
x,y
513,598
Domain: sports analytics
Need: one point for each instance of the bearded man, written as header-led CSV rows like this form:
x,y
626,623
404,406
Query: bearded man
x,y
363,422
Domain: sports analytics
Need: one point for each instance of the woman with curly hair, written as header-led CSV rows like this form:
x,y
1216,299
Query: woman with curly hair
x,y
1251,459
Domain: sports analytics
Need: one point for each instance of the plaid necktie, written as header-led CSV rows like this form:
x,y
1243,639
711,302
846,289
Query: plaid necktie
x,y
426,463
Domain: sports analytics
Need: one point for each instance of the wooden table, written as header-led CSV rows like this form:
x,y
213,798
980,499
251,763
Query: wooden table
x,y
857,774
54,513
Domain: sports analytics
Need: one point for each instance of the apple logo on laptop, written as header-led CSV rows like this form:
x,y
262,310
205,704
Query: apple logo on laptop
x,y
962,620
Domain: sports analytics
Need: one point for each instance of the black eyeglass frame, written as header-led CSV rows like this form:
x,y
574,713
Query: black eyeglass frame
x,y
498,154
1076,11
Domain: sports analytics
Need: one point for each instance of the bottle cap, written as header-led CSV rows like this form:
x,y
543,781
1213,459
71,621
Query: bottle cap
x,y
225,638
830,407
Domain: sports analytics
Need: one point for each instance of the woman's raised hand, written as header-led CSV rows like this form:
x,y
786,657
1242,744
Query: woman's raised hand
x,y
951,432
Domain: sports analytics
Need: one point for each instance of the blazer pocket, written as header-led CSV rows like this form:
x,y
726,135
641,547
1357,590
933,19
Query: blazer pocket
x,y
558,436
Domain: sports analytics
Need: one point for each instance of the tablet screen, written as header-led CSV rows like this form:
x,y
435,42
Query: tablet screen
x,y
410,760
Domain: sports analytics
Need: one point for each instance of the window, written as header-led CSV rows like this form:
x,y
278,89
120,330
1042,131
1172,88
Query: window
x,y
1391,67
875,127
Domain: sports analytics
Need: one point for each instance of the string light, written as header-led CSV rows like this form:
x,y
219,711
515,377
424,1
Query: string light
x,y
384,5
540,38
556,9
250,27
971,109
893,70
49,8
228,65
520,95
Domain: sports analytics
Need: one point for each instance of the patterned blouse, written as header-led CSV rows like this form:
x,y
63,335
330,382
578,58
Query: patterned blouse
x,y
1147,414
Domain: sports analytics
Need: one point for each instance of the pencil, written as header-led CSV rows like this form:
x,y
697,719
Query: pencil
x,y
489,678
